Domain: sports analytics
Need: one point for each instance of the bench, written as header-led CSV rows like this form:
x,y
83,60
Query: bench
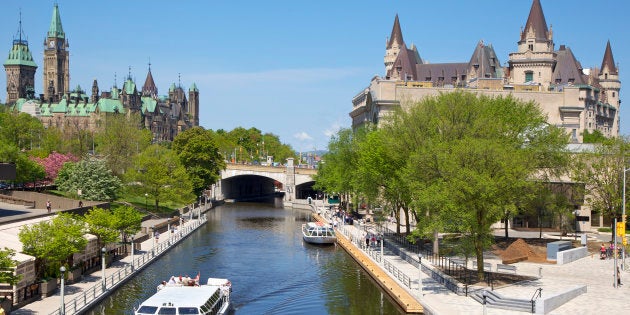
x,y
486,266
506,268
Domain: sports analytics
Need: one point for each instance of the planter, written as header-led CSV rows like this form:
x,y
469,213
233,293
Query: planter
x,y
75,275
48,287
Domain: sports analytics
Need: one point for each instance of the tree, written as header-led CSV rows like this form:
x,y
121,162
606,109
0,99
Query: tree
x,y
158,172
601,172
92,177
102,224
469,157
336,172
54,162
128,221
27,170
7,265
52,242
21,130
200,156
120,139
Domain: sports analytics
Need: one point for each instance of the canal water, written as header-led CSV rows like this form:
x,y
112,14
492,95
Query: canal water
x,y
260,250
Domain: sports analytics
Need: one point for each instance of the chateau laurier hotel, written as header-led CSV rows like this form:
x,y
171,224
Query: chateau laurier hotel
x,y
72,109
572,97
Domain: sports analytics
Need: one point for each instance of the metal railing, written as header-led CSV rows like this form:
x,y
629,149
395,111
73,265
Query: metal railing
x,y
537,294
100,290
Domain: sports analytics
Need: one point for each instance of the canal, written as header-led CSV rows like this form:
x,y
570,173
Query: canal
x,y
260,250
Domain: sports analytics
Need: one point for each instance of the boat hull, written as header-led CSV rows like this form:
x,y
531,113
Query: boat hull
x,y
320,240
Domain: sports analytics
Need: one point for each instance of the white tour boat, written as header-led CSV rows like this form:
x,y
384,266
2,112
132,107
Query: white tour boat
x,y
318,233
185,296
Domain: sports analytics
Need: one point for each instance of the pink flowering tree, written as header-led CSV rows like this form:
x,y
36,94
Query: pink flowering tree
x,y
53,163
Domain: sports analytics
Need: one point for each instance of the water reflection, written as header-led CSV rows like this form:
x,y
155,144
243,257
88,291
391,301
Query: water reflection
x,y
260,249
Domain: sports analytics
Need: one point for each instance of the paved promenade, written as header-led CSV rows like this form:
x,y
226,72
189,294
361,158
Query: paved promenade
x,y
80,295
435,298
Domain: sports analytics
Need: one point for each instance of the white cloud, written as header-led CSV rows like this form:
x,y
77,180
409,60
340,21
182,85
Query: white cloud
x,y
332,130
302,136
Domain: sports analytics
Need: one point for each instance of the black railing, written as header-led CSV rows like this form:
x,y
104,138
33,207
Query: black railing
x,y
537,294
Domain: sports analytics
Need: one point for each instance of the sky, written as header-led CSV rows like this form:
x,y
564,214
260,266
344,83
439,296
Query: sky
x,y
291,68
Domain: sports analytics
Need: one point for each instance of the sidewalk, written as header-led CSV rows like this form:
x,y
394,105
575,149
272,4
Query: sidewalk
x,y
595,274
90,289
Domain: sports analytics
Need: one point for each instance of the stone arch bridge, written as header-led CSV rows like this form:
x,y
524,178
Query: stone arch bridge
x,y
241,182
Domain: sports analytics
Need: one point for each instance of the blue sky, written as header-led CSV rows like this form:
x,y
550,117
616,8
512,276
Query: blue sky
x,y
292,67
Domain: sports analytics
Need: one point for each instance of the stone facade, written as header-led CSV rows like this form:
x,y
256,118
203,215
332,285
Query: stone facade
x,y
73,110
574,98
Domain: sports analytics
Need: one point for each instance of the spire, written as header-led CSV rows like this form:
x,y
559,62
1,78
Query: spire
x,y
149,88
56,30
608,61
536,21
396,36
20,54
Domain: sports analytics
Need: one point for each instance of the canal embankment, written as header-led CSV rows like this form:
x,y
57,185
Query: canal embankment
x,y
80,296
402,297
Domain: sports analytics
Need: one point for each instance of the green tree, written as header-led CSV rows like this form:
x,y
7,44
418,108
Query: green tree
x,y
200,156
336,172
27,170
469,158
158,172
20,129
601,171
102,224
52,242
128,221
7,265
92,177
119,139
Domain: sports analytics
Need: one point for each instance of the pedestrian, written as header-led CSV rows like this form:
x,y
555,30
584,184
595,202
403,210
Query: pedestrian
x,y
618,276
367,239
48,206
80,204
157,236
602,251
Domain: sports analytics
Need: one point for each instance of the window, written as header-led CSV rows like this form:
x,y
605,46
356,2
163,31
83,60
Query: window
x,y
530,47
613,95
529,76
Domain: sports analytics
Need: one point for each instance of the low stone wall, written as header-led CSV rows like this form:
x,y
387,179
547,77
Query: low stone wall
x,y
546,305
571,255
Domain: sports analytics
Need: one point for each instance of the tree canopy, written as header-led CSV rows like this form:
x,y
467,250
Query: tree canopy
x,y
90,176
200,156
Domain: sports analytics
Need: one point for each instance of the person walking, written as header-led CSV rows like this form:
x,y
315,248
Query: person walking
x,y
48,206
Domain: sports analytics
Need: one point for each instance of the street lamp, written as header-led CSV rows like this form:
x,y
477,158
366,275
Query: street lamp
x,y
104,282
623,218
62,310
146,205
133,267
420,274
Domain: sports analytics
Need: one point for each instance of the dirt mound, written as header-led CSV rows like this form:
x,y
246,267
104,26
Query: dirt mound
x,y
519,250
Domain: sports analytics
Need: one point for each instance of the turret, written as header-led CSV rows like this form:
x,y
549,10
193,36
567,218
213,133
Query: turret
x,y
56,58
393,46
20,69
193,104
609,78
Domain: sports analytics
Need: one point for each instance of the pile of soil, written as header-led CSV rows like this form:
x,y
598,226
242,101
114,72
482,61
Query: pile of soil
x,y
519,250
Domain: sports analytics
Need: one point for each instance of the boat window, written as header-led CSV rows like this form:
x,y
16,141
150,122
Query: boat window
x,y
147,310
187,310
167,311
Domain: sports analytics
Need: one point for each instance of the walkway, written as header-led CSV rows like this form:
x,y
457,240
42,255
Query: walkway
x,y
80,296
435,298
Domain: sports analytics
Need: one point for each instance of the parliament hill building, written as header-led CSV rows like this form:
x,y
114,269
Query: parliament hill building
x,y
73,109
572,97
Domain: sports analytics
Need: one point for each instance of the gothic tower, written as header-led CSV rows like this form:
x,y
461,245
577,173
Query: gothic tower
x,y
149,88
193,104
609,81
56,60
20,69
393,46
535,60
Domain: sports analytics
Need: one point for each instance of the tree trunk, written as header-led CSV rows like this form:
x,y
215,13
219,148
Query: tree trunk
x,y
436,243
505,227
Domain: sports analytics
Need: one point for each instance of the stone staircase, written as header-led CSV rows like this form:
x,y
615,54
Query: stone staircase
x,y
495,300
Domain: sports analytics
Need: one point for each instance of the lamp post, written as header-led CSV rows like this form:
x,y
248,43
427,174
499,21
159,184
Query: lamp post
x,y
420,274
623,218
146,205
62,310
104,282
133,266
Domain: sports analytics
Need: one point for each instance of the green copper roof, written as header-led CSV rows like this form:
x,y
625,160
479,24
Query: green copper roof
x,y
20,55
129,87
148,104
56,30
172,88
193,87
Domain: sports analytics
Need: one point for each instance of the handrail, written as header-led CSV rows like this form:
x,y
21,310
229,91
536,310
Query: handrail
x,y
537,294
79,303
